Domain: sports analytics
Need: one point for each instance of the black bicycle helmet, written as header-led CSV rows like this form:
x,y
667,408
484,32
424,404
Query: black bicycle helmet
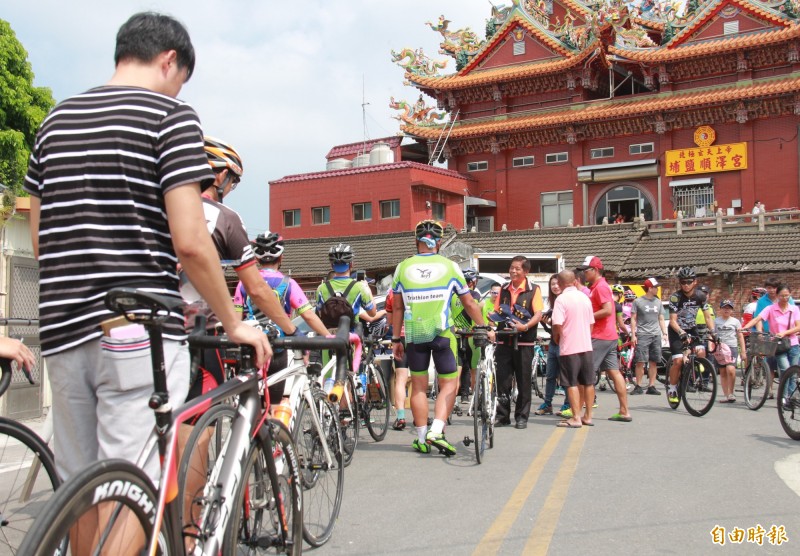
x,y
686,272
268,246
340,254
470,274
429,228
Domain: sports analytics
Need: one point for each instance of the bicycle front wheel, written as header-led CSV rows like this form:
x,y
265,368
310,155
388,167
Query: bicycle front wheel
x,y
377,404
757,382
349,420
788,399
535,373
108,508
29,479
323,482
479,414
266,520
699,387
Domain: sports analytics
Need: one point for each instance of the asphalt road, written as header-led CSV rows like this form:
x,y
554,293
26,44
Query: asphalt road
x,y
659,485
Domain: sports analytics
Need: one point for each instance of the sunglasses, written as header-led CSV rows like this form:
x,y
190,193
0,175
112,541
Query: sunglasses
x,y
687,282
493,293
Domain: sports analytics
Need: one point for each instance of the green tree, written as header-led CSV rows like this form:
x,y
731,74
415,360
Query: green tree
x,y
22,109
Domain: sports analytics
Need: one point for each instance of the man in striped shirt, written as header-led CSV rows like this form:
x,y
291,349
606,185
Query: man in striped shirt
x,y
115,177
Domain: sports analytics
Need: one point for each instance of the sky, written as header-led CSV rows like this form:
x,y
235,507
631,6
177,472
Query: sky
x,y
283,82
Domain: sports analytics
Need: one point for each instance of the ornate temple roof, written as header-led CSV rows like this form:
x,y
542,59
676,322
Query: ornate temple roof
x,y
714,7
623,107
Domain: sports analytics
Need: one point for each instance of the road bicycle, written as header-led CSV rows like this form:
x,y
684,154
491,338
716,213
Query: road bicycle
x,y
255,497
789,402
28,475
697,386
484,398
538,369
757,380
314,425
365,399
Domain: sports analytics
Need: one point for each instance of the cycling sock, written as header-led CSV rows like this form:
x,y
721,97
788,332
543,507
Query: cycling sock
x,y
673,388
401,414
437,427
421,432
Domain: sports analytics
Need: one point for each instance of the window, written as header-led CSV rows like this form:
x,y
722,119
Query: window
x,y
291,218
438,211
730,28
606,152
321,215
390,209
556,208
362,211
522,161
555,158
477,166
694,201
641,148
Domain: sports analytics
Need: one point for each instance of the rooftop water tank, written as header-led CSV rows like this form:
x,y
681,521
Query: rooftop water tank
x,y
361,160
338,164
381,154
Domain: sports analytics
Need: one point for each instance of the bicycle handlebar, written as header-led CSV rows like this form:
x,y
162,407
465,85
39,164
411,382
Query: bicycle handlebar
x,y
340,344
5,364
18,322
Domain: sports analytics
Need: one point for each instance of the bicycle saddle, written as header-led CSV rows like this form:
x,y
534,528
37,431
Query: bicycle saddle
x,y
140,306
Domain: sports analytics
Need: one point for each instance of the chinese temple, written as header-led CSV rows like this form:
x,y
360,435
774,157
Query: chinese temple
x,y
571,113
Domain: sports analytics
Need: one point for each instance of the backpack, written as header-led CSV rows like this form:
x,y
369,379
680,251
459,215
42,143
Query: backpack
x,y
336,306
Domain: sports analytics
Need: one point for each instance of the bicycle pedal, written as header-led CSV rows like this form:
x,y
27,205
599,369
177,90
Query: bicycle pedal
x,y
467,441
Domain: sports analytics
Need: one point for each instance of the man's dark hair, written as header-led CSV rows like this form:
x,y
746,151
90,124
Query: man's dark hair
x,y
772,282
147,34
523,260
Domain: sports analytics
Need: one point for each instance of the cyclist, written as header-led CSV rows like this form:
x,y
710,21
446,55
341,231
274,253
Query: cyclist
x,y
647,330
468,355
268,249
749,310
400,369
683,308
358,295
423,285
229,236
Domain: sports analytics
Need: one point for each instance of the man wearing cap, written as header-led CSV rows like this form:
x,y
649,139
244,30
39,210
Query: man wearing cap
x,y
517,362
648,327
604,333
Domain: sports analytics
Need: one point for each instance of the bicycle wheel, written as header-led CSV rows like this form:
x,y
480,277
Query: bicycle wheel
x,y
535,364
323,484
479,414
108,508
699,387
29,479
348,419
203,447
789,402
662,369
377,404
259,514
757,383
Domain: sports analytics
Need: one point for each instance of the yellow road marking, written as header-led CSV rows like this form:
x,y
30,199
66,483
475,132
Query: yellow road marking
x,y
542,532
493,539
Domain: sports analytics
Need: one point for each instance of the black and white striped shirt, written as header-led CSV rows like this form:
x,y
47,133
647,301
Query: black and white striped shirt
x,y
101,165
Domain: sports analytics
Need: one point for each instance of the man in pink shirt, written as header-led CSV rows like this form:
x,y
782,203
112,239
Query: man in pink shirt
x,y
572,321
604,333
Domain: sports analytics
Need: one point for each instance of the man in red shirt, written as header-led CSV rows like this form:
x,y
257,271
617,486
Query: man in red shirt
x,y
604,333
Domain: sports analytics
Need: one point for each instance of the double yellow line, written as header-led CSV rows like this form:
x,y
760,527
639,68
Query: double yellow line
x,y
542,531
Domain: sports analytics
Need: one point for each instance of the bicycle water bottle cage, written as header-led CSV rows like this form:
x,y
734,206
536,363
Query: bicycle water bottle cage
x,y
139,306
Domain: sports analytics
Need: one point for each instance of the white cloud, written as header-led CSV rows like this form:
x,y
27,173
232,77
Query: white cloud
x,y
282,81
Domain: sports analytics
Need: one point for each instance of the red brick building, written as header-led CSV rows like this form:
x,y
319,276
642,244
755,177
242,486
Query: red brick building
x,y
569,113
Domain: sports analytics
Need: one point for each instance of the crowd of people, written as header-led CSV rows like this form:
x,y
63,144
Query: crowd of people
x,y
124,184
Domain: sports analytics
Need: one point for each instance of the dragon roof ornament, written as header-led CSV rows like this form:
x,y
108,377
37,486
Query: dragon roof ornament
x,y
416,62
417,114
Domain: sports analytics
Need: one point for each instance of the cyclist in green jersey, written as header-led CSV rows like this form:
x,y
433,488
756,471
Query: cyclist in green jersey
x,y
423,285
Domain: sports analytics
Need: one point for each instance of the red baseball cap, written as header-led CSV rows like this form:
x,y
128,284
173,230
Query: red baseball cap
x,y
651,283
591,262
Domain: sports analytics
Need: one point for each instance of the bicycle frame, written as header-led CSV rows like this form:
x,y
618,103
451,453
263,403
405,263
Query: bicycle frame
x,y
249,421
